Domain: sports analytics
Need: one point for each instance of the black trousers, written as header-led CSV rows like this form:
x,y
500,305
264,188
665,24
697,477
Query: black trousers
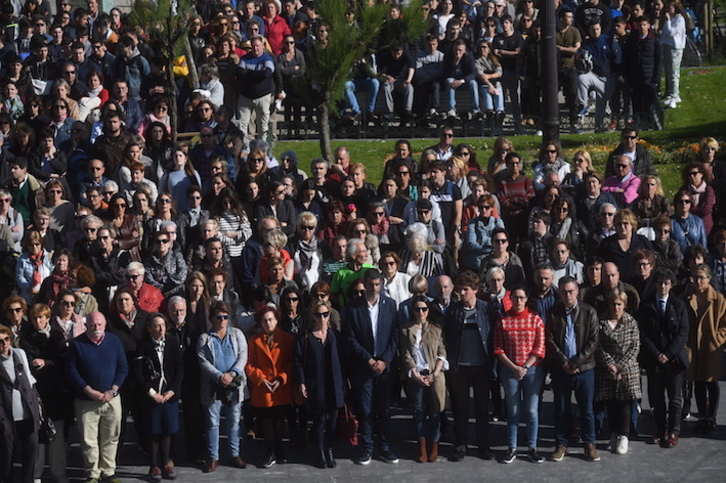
x,y
465,377
25,440
619,416
667,416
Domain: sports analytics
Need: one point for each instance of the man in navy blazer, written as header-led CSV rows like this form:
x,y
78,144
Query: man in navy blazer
x,y
663,333
371,334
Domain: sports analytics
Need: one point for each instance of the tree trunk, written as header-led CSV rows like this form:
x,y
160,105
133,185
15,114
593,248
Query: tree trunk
x,y
191,63
326,149
171,88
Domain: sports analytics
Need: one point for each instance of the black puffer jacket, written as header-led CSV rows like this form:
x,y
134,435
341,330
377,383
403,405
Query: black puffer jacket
x,y
643,58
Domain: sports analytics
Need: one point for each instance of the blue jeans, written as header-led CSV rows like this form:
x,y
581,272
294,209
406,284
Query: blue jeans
x,y
490,101
473,93
584,386
370,86
212,415
524,393
424,403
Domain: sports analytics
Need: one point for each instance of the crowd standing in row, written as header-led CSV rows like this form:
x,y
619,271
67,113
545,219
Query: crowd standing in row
x,y
139,273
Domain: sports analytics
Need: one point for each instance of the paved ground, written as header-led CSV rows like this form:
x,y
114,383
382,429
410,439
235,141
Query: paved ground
x,y
695,459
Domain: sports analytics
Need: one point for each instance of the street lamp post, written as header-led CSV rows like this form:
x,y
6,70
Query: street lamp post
x,y
550,89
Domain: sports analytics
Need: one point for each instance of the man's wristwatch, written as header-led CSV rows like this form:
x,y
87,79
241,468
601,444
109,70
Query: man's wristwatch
x,y
114,392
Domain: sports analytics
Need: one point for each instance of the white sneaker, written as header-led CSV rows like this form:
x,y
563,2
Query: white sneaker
x,y
622,445
451,113
677,98
613,442
673,104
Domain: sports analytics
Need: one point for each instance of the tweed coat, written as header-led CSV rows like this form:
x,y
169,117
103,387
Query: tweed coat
x,y
619,346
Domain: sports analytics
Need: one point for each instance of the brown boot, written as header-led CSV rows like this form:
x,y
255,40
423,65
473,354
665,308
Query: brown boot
x,y
422,457
434,453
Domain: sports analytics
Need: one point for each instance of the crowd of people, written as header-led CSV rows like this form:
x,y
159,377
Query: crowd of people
x,y
173,283
610,59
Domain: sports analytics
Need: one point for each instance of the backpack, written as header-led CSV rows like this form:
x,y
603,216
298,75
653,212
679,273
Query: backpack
x,y
583,61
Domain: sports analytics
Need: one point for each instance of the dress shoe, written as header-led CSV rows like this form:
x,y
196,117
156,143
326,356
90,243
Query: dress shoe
x,y
211,466
671,441
656,439
237,462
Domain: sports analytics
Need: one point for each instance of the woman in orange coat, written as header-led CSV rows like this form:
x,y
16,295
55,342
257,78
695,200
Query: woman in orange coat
x,y
269,366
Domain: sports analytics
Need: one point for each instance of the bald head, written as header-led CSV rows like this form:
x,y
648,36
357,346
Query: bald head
x,y
95,325
610,275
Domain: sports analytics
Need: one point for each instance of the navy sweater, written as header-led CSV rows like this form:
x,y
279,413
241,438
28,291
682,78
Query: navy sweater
x,y
99,366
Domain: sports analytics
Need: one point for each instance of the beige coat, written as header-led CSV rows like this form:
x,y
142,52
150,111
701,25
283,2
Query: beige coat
x,y
433,348
707,335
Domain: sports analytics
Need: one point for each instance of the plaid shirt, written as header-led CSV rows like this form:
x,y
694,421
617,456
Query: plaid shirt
x,y
518,335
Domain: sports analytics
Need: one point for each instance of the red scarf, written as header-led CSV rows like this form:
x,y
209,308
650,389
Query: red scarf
x,y
60,282
37,261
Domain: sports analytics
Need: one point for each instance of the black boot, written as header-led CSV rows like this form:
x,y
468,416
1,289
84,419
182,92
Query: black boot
x,y
320,459
329,458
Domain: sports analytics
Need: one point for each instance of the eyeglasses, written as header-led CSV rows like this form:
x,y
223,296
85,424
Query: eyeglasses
x,y
205,109
164,200
390,264
447,135
607,213
664,231
90,230
103,238
220,318
623,165
307,228
258,160
55,191
552,151
59,106
5,340
292,299
290,42
401,173
161,241
694,173
421,309
487,207
70,72
321,315
5,200
120,205
630,138
685,202
17,310
424,212
563,209
68,303
133,277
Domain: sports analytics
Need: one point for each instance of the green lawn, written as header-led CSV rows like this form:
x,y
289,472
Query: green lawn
x,y
702,113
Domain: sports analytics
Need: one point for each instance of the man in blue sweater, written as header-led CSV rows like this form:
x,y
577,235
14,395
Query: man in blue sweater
x,y
604,53
96,368
255,84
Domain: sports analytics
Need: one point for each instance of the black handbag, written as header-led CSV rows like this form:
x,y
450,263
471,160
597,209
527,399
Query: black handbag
x,y
46,431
